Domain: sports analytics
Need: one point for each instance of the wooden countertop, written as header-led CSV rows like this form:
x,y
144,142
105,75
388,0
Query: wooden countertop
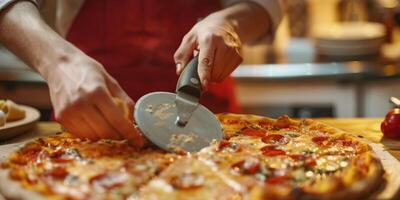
x,y
368,128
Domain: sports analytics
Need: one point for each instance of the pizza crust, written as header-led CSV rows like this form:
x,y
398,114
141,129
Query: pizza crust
x,y
11,189
367,188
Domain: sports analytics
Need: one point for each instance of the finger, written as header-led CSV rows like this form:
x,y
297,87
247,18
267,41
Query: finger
x,y
220,62
184,52
80,130
86,130
206,62
101,127
127,103
126,108
234,62
114,117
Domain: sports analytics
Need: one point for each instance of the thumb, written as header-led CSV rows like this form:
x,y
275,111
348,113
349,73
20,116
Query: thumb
x,y
121,99
184,52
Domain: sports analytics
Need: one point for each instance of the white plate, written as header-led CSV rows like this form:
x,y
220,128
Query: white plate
x,y
12,129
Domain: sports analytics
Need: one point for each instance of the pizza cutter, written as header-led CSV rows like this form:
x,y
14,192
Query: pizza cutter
x,y
177,121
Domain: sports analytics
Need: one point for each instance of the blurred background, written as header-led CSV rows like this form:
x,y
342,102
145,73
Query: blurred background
x,y
329,58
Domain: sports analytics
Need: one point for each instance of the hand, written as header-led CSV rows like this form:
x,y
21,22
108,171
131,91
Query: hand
x,y
218,46
81,93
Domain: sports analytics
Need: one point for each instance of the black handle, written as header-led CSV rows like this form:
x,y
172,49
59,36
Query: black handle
x,y
189,81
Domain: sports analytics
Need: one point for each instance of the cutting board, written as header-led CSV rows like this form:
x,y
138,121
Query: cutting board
x,y
391,189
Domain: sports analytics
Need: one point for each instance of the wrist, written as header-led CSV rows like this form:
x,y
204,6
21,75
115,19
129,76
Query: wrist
x,y
248,19
51,64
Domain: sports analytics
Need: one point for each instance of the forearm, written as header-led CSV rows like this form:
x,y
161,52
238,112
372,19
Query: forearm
x,y
250,20
24,32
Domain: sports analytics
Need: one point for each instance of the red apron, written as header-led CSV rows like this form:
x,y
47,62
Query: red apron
x,y
135,41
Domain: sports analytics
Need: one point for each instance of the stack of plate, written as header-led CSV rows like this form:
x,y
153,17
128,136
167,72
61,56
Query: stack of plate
x,y
349,39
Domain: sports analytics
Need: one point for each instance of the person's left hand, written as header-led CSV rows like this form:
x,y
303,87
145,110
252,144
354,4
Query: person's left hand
x,y
219,49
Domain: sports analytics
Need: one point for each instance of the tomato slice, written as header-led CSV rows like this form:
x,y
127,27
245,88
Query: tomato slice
x,y
271,150
253,132
275,139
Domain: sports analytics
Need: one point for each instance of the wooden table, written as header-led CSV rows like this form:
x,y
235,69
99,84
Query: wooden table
x,y
368,128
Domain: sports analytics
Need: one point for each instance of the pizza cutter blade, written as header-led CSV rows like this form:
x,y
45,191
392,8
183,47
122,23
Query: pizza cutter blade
x,y
177,121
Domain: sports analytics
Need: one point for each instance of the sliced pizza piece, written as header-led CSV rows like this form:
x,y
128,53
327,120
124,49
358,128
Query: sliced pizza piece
x,y
304,159
191,178
69,168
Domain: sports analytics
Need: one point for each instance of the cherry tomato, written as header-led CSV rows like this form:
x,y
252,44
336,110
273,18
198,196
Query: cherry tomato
x,y
391,125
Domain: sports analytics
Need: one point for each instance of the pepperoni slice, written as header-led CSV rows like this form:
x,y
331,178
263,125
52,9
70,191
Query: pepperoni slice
x,y
57,154
282,122
232,121
248,166
228,146
297,157
319,139
253,132
58,173
275,139
277,179
348,143
310,162
345,142
271,150
222,144
265,124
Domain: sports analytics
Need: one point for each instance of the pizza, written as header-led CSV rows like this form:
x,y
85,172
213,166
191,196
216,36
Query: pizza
x,y
259,158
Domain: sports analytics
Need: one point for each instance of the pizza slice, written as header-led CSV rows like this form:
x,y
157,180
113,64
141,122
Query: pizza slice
x,y
70,168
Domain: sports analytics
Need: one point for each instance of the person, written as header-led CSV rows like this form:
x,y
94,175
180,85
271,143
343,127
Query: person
x,y
103,46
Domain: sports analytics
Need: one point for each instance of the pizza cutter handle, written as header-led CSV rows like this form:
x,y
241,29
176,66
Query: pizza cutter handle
x,y
189,81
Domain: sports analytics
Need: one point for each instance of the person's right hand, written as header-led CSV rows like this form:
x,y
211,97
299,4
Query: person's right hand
x,y
82,95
